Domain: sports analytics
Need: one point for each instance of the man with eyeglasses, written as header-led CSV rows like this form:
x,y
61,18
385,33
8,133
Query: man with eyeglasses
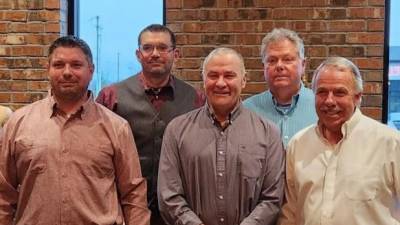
x,y
287,102
150,99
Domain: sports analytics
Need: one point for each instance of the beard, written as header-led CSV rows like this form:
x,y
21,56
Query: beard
x,y
72,93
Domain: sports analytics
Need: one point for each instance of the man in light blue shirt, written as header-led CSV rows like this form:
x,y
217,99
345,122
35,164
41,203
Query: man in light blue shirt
x,y
287,103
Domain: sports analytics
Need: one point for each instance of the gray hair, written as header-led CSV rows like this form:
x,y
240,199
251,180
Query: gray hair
x,y
224,51
341,64
278,34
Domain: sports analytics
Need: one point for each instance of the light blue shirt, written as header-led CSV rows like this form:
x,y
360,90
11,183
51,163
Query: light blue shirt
x,y
289,119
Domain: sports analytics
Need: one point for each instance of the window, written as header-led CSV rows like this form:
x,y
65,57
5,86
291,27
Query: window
x,y
111,29
392,59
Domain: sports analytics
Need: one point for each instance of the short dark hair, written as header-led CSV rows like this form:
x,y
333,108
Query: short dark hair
x,y
72,42
158,28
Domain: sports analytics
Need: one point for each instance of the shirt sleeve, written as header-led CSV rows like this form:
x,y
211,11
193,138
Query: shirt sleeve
x,y
108,97
8,176
171,197
267,210
287,216
130,183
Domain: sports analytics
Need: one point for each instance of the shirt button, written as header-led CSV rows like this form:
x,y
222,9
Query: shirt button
x,y
220,174
286,137
221,197
220,152
221,219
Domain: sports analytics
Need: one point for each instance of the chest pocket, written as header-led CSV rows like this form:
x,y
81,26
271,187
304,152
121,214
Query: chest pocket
x,y
30,156
251,160
363,184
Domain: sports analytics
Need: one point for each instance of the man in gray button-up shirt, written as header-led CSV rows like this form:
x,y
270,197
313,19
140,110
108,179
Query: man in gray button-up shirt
x,y
221,164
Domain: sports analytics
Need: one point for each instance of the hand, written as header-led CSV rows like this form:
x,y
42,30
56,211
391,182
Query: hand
x,y
108,97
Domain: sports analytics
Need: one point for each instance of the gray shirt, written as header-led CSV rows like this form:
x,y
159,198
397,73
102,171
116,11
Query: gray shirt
x,y
215,176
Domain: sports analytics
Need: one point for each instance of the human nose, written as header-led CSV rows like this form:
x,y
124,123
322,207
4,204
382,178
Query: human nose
x,y
330,99
221,82
67,70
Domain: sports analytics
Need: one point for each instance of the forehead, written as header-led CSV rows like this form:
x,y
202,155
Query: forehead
x,y
68,53
281,46
223,62
155,37
335,77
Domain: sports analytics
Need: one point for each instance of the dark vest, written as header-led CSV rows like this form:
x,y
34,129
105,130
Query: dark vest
x,y
148,124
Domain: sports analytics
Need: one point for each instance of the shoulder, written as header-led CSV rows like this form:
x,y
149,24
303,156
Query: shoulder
x,y
35,108
256,99
261,123
107,114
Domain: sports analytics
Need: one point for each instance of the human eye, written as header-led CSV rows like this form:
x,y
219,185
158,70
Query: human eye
x,y
57,64
77,65
147,48
230,75
288,59
212,76
163,48
340,93
271,61
321,92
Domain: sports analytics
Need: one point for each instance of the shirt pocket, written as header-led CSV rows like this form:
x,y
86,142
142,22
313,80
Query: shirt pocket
x,y
251,160
363,184
30,156
99,161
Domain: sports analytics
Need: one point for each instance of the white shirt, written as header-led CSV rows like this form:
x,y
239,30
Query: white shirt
x,y
353,182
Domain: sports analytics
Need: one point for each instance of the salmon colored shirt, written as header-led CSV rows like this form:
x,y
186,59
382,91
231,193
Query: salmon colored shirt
x,y
81,169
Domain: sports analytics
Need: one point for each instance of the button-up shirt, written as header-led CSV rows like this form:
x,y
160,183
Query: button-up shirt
x,y
78,169
355,181
290,119
212,175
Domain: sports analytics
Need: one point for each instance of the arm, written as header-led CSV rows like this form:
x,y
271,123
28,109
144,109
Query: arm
x,y
268,207
171,197
287,217
130,183
8,177
108,97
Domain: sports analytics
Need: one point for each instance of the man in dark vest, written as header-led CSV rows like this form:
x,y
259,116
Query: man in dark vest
x,y
150,99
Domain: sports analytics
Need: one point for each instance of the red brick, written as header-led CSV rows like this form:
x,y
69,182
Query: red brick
x,y
38,85
15,15
375,50
255,88
173,4
365,38
376,25
372,88
27,51
374,12
373,112
52,4
348,25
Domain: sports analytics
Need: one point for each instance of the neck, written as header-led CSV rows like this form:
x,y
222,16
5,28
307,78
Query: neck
x,y
156,82
284,95
333,137
69,106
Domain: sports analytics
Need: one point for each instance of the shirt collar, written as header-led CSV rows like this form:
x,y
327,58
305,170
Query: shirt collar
x,y
346,128
231,117
81,113
146,87
286,109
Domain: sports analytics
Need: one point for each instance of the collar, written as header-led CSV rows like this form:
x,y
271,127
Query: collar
x,y
82,111
231,117
347,127
147,88
286,109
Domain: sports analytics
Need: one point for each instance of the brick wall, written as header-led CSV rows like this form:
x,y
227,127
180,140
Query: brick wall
x,y
27,27
349,28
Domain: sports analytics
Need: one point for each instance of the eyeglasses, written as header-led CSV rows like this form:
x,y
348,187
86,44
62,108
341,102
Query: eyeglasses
x,y
149,49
